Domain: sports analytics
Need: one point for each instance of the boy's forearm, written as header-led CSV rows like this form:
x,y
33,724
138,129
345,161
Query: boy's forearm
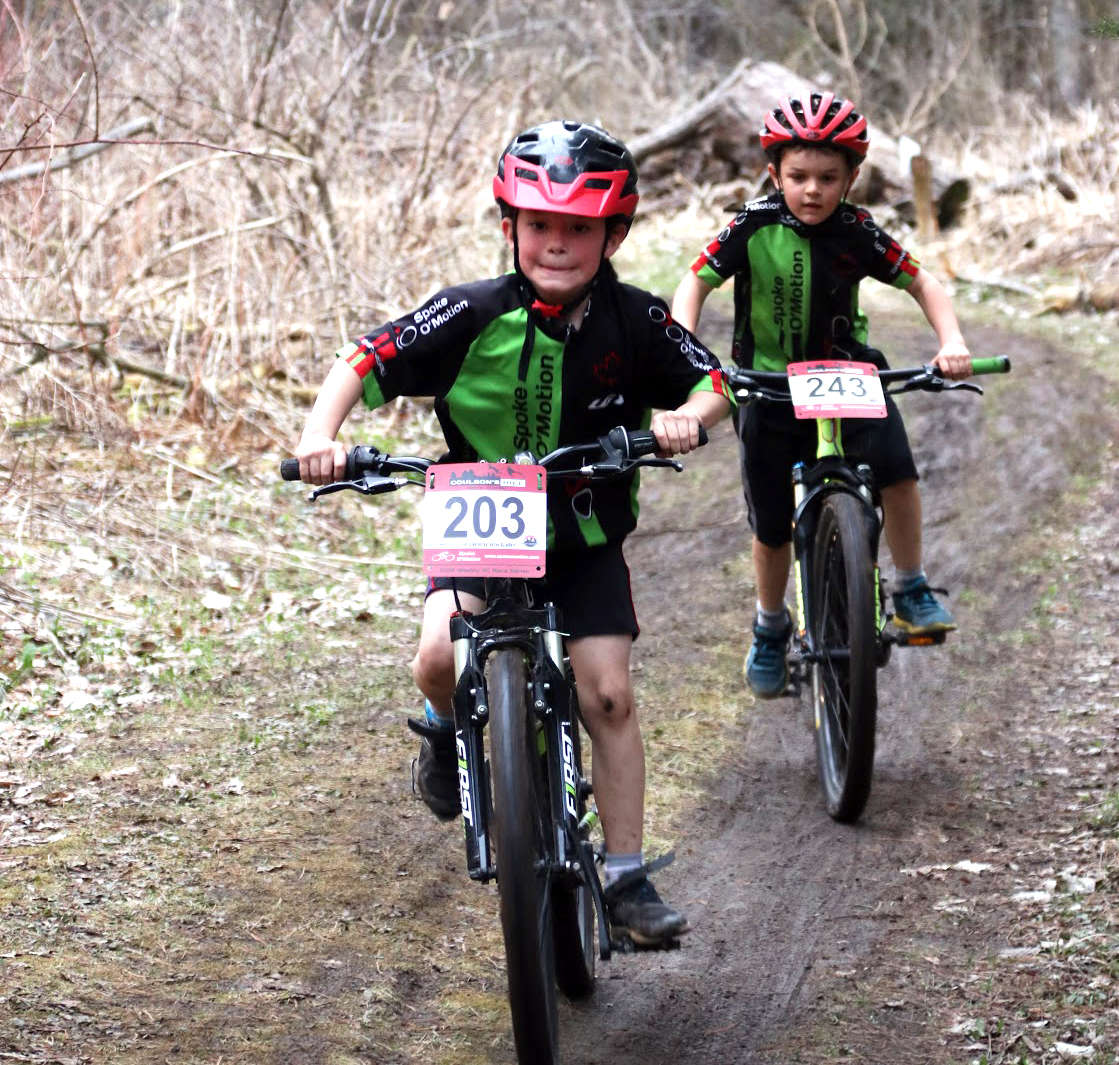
x,y
688,299
708,407
339,392
936,304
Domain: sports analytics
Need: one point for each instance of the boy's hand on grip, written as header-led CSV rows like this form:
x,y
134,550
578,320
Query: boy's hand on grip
x,y
953,361
677,432
321,459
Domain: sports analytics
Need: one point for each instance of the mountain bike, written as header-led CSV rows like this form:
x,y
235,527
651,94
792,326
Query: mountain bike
x,y
843,634
526,808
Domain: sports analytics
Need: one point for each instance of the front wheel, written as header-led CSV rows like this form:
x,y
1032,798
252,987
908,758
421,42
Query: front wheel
x,y
844,663
522,826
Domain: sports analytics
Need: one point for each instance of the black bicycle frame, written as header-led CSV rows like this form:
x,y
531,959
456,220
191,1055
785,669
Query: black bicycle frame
x,y
510,622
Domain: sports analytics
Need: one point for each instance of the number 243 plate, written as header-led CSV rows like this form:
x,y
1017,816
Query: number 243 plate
x,y
485,519
836,389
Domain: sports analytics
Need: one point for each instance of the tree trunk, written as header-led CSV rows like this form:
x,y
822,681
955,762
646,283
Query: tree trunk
x,y
1067,44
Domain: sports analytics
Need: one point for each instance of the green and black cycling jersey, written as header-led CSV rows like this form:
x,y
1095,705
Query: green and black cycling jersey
x,y
509,376
796,286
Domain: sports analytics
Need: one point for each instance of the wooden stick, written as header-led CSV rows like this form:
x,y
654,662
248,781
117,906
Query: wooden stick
x,y
70,156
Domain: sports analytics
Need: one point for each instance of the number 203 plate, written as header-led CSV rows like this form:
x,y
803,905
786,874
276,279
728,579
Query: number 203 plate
x,y
485,519
836,389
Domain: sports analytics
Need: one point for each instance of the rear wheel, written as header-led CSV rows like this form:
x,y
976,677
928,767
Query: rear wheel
x,y
522,826
573,909
844,667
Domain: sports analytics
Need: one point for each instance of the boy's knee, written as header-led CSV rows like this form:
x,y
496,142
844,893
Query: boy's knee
x,y
608,704
432,669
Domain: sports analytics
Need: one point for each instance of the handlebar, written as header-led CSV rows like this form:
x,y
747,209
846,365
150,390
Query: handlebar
x,y
364,459
619,451
765,384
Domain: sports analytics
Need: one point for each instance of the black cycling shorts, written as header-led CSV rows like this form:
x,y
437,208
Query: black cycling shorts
x,y
590,587
771,439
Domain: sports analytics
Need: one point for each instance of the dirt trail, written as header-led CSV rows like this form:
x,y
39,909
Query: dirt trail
x,y
245,878
781,897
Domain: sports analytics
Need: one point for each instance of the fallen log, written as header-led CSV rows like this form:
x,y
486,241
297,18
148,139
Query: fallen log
x,y
715,140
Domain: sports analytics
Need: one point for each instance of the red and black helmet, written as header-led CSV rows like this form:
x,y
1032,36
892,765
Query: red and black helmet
x,y
828,121
569,167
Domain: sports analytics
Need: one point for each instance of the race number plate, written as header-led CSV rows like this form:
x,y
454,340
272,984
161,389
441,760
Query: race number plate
x,y
485,519
834,389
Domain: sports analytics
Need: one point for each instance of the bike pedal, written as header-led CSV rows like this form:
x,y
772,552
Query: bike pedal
x,y
925,639
624,944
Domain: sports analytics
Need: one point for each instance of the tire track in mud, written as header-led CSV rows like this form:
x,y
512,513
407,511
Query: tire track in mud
x,y
782,899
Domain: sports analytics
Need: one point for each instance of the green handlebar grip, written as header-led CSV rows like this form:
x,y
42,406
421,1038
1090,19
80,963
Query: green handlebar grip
x,y
995,364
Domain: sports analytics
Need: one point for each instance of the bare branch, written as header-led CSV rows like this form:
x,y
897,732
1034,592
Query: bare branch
x,y
76,8
77,152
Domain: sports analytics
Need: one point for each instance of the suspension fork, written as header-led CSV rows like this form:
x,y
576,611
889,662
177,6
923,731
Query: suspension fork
x,y
829,445
548,698
471,706
552,698
809,491
574,855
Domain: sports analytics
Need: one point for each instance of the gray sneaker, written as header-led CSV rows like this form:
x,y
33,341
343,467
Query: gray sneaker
x,y
636,910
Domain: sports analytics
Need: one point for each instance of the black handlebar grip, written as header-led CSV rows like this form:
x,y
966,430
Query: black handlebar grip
x,y
637,443
289,469
641,442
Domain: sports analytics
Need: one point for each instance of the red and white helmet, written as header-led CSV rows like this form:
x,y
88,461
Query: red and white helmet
x,y
569,167
827,121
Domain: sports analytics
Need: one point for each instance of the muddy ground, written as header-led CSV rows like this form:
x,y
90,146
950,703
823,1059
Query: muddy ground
x,y
232,870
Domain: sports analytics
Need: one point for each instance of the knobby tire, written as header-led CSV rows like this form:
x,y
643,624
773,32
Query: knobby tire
x,y
522,826
844,676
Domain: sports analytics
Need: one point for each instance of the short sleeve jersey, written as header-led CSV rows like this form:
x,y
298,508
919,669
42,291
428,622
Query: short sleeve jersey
x,y
507,379
796,286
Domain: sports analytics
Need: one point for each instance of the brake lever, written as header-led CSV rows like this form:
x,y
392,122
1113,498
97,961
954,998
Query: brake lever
x,y
966,385
672,463
371,484
603,469
930,382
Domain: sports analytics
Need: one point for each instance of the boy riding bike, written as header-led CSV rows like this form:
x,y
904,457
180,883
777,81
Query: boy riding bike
x,y
557,352
797,257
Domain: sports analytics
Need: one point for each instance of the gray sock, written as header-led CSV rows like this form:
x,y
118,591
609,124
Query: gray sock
x,y
774,620
619,864
906,580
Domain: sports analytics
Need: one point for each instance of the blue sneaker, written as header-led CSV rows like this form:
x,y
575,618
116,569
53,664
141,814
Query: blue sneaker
x,y
918,612
767,672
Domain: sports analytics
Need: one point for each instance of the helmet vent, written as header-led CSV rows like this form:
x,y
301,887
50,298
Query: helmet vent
x,y
526,175
597,183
